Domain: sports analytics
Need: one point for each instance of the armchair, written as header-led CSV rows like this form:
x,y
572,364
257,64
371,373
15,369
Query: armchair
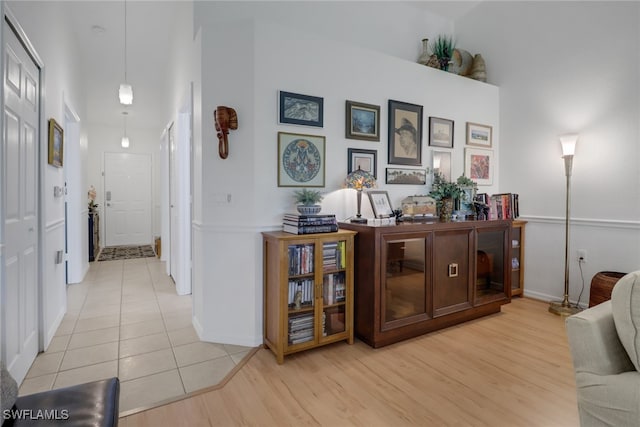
x,y
605,346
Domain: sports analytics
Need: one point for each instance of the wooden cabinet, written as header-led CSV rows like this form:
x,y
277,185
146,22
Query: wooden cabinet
x,y
517,257
94,235
414,278
308,290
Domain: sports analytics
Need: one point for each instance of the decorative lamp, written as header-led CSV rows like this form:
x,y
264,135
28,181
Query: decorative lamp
x,y
564,308
358,180
125,139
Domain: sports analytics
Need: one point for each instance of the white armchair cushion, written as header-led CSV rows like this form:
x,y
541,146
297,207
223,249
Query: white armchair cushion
x,y
625,304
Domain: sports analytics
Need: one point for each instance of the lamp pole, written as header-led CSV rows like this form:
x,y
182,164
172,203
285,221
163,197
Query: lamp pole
x,y
564,308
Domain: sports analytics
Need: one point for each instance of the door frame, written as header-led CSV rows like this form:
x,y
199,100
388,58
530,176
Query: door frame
x,y
9,19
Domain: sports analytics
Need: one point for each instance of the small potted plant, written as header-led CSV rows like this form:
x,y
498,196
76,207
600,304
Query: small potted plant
x,y
442,48
308,201
444,193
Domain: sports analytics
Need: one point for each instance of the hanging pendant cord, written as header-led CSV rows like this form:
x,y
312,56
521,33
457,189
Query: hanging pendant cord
x,y
125,41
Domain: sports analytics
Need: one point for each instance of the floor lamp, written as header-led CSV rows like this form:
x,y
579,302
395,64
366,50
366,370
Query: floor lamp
x,y
564,308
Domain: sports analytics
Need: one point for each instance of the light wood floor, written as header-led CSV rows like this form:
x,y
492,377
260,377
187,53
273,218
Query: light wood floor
x,y
508,369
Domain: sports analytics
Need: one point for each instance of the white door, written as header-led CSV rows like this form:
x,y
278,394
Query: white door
x,y
127,184
173,206
20,334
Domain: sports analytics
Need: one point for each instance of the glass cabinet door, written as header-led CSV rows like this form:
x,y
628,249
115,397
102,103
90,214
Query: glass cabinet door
x,y
300,298
404,280
334,287
492,272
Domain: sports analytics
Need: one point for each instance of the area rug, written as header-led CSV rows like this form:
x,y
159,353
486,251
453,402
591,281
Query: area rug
x,y
114,253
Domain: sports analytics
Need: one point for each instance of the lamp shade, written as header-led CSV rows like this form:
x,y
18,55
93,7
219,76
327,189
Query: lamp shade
x,y
125,142
359,179
568,144
125,94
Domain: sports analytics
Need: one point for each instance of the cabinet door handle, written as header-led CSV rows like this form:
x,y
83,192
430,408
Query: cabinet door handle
x,y
453,269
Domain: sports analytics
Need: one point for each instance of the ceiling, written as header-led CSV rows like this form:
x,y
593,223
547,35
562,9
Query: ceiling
x,y
99,26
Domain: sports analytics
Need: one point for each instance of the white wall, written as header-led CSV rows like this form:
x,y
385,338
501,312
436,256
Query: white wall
x,y
247,75
58,51
567,67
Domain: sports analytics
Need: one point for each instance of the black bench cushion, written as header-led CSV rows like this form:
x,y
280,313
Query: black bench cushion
x,y
93,404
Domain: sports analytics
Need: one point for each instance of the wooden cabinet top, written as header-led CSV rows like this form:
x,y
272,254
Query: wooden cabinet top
x,y
281,235
425,225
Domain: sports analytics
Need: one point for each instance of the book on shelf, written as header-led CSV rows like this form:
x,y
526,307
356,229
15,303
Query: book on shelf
x,y
309,229
305,287
504,206
333,288
333,255
300,259
300,328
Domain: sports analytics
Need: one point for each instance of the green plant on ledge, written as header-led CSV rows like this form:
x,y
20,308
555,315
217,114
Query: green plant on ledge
x,y
307,197
442,48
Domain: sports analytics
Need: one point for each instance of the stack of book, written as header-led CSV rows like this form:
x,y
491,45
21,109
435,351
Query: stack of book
x,y
501,206
309,224
333,255
300,328
305,287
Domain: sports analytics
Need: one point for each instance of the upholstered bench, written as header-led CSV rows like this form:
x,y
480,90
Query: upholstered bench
x,y
92,404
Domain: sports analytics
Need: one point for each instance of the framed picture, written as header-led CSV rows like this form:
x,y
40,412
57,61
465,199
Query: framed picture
x,y
362,121
478,165
56,143
479,135
440,132
299,109
365,160
442,163
406,176
301,160
380,203
405,133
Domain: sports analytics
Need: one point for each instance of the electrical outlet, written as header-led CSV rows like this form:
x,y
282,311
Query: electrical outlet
x,y
582,255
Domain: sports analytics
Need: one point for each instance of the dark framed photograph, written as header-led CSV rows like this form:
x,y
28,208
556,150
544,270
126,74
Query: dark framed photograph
x,y
366,160
405,133
362,121
440,132
380,203
479,135
301,160
406,176
297,109
56,144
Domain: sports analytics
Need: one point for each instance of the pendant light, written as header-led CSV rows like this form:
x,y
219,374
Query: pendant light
x,y
126,91
125,139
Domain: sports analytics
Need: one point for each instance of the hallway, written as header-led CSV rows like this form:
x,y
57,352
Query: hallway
x,y
126,320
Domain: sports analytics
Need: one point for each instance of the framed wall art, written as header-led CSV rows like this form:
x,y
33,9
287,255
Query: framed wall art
x,y
440,132
301,160
478,165
362,121
365,160
297,109
406,176
405,133
56,144
479,135
380,203
441,162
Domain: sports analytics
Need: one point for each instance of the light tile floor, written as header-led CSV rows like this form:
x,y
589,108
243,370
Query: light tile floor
x,y
126,320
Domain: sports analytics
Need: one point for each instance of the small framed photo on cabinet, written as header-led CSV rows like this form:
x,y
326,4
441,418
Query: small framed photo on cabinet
x,y
380,203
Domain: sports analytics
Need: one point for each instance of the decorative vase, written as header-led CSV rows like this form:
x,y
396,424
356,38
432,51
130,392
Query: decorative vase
x,y
446,209
425,55
309,209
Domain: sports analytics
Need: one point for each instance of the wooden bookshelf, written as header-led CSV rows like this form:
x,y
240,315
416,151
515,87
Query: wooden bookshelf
x,y
308,290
